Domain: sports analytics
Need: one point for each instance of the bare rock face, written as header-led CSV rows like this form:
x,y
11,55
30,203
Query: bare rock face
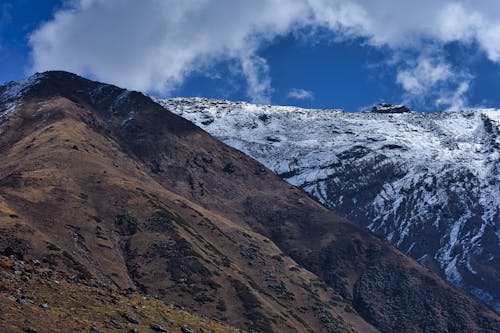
x,y
150,202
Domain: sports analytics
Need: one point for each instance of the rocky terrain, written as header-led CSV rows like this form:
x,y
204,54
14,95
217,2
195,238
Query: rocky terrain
x,y
428,183
35,298
103,184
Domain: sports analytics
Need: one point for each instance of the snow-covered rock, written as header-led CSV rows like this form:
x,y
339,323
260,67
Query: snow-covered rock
x,y
11,93
389,108
427,182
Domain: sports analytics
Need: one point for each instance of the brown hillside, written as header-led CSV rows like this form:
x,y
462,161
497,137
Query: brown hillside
x,y
35,298
101,182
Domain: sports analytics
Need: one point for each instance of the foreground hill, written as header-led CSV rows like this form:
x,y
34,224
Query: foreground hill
x,y
36,298
428,183
103,183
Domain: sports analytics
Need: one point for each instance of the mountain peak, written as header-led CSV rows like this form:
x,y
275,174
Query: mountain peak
x,y
15,89
101,97
49,83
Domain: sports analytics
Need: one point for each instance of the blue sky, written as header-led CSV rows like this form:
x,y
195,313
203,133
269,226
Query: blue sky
x,y
312,53
18,18
339,75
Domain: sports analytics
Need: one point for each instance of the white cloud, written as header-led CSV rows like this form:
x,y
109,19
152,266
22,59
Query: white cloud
x,y
454,99
300,94
424,75
256,72
430,77
153,45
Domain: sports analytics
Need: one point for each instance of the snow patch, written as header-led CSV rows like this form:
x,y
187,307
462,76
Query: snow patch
x,y
11,93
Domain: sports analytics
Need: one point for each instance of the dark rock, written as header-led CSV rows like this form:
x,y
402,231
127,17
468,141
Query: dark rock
x,y
229,168
264,118
273,138
115,323
390,108
21,300
260,170
282,291
12,180
221,305
158,328
127,225
187,329
18,267
130,318
29,329
208,121
94,329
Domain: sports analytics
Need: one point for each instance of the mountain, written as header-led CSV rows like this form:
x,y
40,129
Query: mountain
x,y
103,184
429,183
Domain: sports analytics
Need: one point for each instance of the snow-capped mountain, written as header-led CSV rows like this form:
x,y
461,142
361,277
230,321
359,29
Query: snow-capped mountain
x,y
428,183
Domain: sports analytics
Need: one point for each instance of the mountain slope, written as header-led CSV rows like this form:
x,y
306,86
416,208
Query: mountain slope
x,y
74,198
104,183
35,298
428,183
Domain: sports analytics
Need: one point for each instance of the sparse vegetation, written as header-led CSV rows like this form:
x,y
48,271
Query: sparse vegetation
x,y
91,306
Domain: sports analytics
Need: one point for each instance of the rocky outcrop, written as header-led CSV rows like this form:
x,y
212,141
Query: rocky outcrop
x,y
389,108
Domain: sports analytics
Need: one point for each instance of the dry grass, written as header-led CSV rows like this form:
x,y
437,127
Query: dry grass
x,y
77,307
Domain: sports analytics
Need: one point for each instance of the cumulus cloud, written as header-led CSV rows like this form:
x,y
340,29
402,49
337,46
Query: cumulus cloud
x,y
153,45
433,78
300,94
256,72
454,99
423,76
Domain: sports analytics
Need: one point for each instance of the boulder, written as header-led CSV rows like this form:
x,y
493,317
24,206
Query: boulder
x,y
390,108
